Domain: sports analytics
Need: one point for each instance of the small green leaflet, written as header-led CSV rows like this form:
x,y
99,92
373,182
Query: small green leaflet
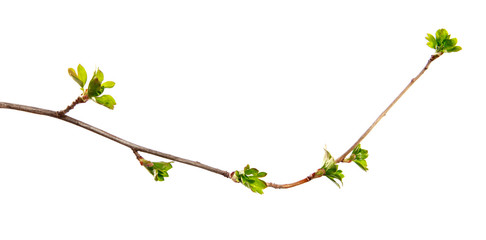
x,y
80,77
250,178
106,100
100,75
441,35
82,74
328,160
75,77
108,84
432,43
94,87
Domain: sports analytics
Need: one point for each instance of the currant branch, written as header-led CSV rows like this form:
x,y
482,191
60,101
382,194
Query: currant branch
x,y
249,177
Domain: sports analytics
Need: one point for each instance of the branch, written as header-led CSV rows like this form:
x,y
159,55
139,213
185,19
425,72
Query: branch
x,y
432,58
136,148
249,177
343,156
133,146
81,99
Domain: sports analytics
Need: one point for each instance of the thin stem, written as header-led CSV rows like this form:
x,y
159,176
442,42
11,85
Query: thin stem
x,y
291,185
343,156
137,155
110,136
80,99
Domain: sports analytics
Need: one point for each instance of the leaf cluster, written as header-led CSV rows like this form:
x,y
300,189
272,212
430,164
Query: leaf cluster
x,y
96,86
250,177
442,42
359,156
157,169
330,169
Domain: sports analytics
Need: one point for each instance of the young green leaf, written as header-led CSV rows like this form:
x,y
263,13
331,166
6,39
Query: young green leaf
x,y
251,171
328,160
432,42
108,84
100,75
360,153
82,74
441,35
362,164
258,186
160,170
454,49
75,77
106,100
451,42
261,174
94,87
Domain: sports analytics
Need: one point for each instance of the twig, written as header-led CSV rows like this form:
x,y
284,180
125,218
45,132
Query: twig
x,y
80,99
136,148
432,58
291,185
343,156
110,136
137,155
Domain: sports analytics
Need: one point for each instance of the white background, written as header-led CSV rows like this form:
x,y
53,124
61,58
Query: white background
x,y
228,83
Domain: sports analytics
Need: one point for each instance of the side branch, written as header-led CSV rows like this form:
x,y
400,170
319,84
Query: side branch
x,y
343,156
110,136
80,99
